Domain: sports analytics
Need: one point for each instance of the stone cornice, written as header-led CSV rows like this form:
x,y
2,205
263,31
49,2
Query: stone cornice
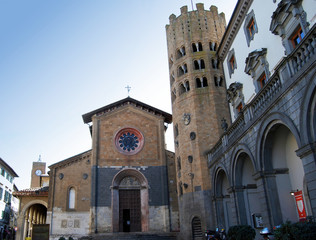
x,y
233,26
71,160
87,118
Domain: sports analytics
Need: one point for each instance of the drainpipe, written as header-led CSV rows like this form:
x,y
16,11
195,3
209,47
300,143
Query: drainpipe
x,y
53,202
96,145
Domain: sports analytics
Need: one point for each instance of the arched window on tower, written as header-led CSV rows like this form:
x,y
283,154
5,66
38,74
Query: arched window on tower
x,y
187,86
172,79
204,82
199,64
213,46
218,81
198,83
181,52
182,70
215,63
181,89
173,95
197,47
71,198
176,130
170,61
201,82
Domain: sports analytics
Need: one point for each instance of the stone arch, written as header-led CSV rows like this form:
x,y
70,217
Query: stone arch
x,y
239,149
243,169
24,215
308,113
196,225
267,125
143,188
222,199
278,140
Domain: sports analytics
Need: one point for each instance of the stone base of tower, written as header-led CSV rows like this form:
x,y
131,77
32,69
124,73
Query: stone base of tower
x,y
195,214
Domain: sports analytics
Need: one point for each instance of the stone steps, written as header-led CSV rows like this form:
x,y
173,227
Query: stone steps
x,y
131,236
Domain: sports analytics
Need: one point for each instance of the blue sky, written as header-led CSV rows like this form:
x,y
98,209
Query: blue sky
x,y
60,59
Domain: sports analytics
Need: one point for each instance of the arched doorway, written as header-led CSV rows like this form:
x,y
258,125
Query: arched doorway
x,y
33,214
196,229
248,199
222,200
130,202
284,173
129,205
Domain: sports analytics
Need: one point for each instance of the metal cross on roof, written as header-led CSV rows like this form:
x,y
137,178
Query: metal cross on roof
x,y
128,89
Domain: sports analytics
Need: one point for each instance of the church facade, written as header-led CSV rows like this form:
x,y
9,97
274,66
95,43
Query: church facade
x,y
125,183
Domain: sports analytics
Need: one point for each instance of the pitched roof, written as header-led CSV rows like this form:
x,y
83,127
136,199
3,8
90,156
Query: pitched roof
x,y
126,101
71,160
38,191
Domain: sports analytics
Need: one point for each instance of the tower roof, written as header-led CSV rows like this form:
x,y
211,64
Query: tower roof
x,y
126,101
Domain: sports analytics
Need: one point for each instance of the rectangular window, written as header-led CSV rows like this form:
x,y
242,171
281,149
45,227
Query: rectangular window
x,y
2,171
1,191
251,28
239,107
8,176
232,63
6,196
262,80
297,37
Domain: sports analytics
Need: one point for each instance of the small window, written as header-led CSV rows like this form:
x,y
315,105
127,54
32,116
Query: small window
x,y
180,52
262,80
199,64
187,86
1,193
197,47
215,63
176,130
7,197
213,46
71,198
218,81
250,27
2,172
297,37
239,107
182,70
231,62
201,83
172,80
170,61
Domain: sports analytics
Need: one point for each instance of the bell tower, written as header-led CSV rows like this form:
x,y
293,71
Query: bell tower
x,y
198,96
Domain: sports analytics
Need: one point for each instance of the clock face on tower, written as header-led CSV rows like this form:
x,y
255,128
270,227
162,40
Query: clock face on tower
x,y
38,172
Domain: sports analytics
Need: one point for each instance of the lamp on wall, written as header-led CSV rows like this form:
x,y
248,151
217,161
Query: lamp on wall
x,y
293,191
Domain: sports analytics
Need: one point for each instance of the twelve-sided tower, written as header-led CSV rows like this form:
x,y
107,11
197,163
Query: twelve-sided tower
x,y
199,104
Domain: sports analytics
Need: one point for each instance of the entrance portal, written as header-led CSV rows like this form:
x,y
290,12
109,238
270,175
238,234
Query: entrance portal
x,y
130,210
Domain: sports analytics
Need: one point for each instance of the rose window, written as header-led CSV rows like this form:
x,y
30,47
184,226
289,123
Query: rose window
x,y
129,141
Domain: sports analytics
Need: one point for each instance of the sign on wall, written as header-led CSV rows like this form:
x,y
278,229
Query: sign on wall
x,y
300,205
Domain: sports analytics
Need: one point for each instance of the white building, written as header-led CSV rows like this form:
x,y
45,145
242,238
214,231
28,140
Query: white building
x,y
268,153
8,204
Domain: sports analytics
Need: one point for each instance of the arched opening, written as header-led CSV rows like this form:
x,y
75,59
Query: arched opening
x,y
222,200
33,215
130,202
284,173
71,198
246,190
196,229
